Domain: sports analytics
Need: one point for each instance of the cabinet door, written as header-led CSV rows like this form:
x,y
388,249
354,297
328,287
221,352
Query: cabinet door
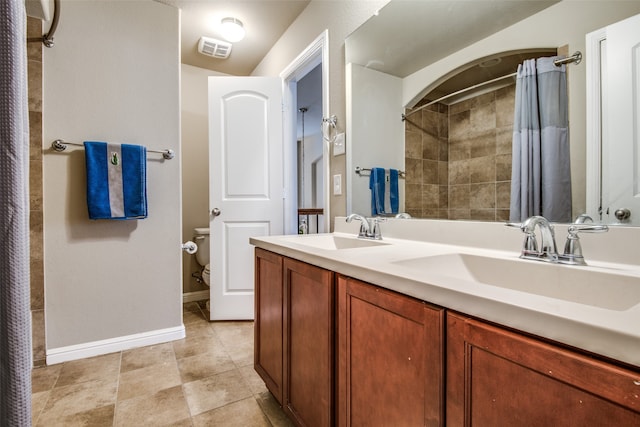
x,y
309,343
390,358
268,354
498,378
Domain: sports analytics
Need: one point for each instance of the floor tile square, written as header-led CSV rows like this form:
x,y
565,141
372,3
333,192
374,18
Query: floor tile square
x,y
76,398
204,365
167,407
216,391
44,378
93,368
237,338
149,380
146,356
97,417
192,346
244,413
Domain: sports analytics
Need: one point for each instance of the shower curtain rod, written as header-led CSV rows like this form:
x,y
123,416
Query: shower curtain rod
x,y
47,39
575,58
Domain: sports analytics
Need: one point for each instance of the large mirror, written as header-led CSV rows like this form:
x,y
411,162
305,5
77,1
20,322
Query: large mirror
x,y
418,99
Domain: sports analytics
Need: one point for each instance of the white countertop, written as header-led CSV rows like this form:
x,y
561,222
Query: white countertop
x,y
613,332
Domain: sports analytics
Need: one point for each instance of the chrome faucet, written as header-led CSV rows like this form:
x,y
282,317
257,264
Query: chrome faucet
x,y
366,231
572,254
364,225
548,250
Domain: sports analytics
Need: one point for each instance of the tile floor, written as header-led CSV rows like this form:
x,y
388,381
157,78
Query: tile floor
x,y
205,379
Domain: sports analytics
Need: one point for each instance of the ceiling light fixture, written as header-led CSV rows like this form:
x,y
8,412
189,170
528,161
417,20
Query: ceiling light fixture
x,y
232,29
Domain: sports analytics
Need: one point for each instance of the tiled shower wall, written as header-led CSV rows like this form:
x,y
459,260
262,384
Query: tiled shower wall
x,y
426,162
458,158
34,55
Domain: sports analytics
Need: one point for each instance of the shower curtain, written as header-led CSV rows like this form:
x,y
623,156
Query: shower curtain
x,y
15,316
541,173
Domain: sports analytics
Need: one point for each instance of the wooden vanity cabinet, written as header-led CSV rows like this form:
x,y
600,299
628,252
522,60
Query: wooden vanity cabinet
x,y
497,377
268,354
309,296
390,358
294,336
337,351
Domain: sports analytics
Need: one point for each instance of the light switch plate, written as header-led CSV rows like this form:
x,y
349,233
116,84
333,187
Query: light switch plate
x,y
337,185
338,144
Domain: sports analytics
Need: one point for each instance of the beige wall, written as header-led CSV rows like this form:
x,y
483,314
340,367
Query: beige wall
x,y
112,76
340,18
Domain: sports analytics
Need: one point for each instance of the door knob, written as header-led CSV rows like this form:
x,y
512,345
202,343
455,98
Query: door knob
x,y
215,211
622,214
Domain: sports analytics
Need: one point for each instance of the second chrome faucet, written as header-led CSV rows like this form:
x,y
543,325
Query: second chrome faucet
x,y
548,251
367,230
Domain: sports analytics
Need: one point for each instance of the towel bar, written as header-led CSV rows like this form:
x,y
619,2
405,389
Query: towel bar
x,y
360,171
60,145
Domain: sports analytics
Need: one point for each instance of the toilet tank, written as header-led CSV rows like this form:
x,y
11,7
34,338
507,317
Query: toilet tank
x,y
201,237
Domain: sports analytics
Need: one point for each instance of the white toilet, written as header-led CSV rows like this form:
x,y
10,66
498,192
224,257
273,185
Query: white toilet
x,y
201,237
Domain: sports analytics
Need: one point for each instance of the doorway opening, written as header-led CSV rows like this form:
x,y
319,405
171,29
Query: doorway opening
x,y
310,179
306,154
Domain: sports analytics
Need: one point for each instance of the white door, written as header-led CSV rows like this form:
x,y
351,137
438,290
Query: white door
x,y
246,185
621,142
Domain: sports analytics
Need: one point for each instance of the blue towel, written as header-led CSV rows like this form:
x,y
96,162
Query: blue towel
x,y
384,198
376,185
116,180
394,195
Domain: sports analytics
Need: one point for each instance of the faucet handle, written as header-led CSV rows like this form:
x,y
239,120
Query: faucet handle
x,y
376,233
572,247
588,228
513,224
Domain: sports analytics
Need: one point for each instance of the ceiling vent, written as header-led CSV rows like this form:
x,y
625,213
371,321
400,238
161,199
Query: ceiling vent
x,y
215,48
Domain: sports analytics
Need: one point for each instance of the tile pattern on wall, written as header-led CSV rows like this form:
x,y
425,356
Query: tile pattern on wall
x,y
463,167
426,162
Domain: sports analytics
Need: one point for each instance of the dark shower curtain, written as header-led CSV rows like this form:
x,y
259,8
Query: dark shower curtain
x,y
15,316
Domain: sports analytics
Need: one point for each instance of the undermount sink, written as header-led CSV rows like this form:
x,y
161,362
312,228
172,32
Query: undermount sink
x,y
575,284
333,242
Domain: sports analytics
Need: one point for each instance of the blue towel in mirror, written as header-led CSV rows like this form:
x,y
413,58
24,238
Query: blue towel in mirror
x,y
116,180
384,191
394,197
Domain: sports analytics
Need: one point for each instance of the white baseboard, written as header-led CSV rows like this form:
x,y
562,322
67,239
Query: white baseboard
x,y
195,296
97,348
